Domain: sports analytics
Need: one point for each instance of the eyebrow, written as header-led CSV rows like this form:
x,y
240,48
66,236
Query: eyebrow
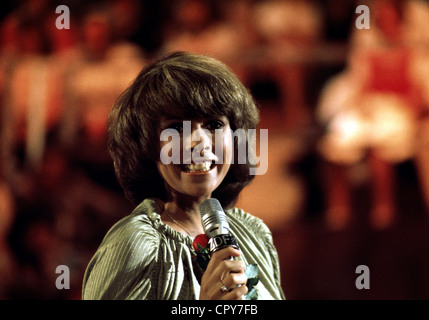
x,y
166,121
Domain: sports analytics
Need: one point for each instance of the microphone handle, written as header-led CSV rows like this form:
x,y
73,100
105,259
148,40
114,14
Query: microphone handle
x,y
221,241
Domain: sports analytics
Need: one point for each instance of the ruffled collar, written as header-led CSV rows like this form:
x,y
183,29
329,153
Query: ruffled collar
x,y
153,208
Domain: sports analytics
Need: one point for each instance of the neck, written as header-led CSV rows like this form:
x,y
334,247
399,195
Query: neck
x,y
184,216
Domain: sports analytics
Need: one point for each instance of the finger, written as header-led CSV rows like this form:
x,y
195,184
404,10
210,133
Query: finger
x,y
234,279
232,291
225,267
226,253
235,294
220,256
224,270
234,266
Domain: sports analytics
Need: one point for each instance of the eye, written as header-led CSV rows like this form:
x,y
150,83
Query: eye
x,y
215,124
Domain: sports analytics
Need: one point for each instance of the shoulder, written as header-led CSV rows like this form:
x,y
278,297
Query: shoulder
x,y
136,232
251,232
127,255
133,225
239,217
133,241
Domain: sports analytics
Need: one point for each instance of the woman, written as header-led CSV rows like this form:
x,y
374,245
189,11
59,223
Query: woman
x,y
372,113
148,254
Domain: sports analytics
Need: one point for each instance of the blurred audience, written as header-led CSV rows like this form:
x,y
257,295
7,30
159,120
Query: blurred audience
x,y
57,89
58,192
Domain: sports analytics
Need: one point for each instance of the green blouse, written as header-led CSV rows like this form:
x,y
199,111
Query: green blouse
x,y
143,258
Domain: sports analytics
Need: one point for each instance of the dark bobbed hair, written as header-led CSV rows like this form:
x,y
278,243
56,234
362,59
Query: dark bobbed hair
x,y
181,85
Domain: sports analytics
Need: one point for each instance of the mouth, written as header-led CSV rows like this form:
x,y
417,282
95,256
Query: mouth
x,y
203,167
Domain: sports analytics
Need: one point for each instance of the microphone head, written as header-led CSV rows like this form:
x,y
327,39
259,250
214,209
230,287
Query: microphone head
x,y
213,218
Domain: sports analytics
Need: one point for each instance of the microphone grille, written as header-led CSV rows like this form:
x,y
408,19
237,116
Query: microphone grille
x,y
210,205
213,218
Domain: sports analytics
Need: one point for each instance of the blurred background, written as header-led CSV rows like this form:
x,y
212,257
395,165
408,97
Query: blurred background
x,y
346,110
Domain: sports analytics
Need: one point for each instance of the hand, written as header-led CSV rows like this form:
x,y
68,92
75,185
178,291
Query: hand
x,y
221,270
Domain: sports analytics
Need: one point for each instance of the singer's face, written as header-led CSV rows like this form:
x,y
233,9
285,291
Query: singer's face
x,y
196,155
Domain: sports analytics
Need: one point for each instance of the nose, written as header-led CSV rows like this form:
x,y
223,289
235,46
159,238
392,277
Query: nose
x,y
198,142
201,139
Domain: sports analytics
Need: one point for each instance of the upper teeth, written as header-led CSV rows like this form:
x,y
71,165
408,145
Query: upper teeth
x,y
193,167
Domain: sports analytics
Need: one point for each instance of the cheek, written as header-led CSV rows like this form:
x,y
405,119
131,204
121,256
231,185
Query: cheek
x,y
227,148
161,170
170,176
170,148
165,171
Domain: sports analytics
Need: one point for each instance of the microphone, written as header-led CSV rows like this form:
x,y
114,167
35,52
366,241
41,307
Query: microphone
x,y
216,226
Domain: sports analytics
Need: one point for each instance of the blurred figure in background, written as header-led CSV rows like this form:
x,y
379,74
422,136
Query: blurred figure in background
x,y
128,18
9,57
105,69
221,29
289,31
372,113
188,22
417,24
33,96
7,258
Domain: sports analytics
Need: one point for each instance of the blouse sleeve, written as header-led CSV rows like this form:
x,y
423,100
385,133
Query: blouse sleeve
x,y
258,247
125,264
269,243
267,239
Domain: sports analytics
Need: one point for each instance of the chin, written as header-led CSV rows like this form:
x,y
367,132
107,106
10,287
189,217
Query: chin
x,y
195,181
